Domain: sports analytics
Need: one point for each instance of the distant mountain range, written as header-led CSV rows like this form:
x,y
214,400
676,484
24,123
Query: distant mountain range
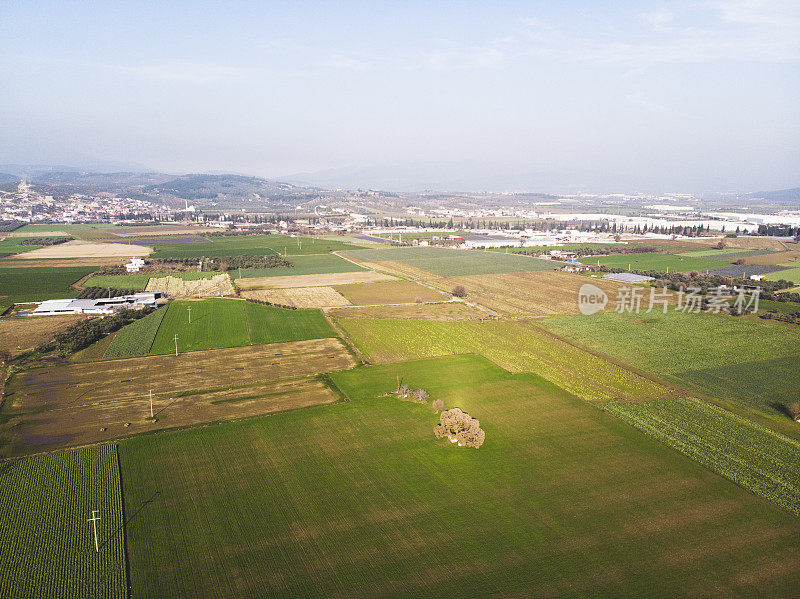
x,y
220,192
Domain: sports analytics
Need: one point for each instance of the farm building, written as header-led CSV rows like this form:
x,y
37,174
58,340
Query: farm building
x,y
105,305
134,265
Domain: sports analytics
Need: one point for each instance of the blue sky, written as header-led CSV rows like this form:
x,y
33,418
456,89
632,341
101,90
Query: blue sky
x,y
552,96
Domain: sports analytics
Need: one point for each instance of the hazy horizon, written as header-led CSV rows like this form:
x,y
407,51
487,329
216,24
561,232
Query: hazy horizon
x,y
512,96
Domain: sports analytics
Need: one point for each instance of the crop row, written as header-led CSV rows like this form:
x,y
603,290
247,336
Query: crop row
x,y
136,339
755,457
47,546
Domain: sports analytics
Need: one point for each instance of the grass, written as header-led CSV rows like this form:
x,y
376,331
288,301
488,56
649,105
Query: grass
x,y
750,361
360,499
514,345
453,263
250,245
47,547
37,284
792,274
751,455
312,264
218,323
136,339
660,262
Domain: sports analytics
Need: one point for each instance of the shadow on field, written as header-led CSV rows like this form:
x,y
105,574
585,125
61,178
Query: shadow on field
x,y
119,530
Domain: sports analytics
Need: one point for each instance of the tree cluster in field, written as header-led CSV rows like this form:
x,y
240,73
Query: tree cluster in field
x,y
44,241
234,262
460,427
100,292
266,303
6,226
684,280
82,334
459,291
415,395
793,318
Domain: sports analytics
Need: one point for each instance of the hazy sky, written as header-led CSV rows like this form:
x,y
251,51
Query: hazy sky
x,y
545,95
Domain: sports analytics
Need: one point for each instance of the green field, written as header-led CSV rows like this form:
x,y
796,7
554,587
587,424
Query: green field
x,y
46,544
514,345
311,264
724,254
136,339
139,280
454,263
360,499
40,283
660,262
250,245
751,362
751,455
793,274
220,323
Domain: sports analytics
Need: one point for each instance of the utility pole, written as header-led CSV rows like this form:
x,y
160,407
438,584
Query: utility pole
x,y
176,345
94,520
151,403
189,308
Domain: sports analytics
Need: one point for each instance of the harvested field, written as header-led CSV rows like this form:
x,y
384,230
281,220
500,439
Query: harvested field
x,y
322,280
439,311
139,280
776,258
69,404
529,293
390,292
400,269
178,287
21,333
86,249
299,297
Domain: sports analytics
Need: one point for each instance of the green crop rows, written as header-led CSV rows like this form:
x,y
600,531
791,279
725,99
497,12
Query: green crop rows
x,y
751,455
219,323
46,544
137,338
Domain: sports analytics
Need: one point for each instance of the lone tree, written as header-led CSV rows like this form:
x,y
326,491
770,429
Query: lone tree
x,y
794,411
459,291
460,427
438,406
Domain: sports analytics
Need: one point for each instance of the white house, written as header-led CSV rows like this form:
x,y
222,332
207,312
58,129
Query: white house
x,y
134,265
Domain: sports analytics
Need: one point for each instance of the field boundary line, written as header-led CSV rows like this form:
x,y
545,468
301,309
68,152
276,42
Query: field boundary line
x,y
354,351
663,382
128,585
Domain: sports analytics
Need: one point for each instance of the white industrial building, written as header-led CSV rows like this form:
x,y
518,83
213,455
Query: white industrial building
x,y
104,305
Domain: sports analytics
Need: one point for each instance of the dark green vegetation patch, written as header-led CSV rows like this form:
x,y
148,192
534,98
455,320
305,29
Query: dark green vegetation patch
x,y
137,338
40,283
46,544
254,245
317,264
